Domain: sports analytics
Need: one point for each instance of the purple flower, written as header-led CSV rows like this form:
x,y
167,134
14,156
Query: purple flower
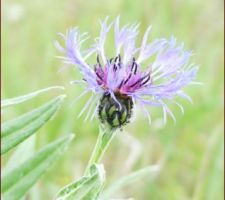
x,y
146,75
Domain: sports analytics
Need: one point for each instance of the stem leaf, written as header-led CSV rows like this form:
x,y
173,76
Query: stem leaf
x,y
87,187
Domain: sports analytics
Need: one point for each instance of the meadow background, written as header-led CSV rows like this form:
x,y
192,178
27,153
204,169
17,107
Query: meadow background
x,y
192,149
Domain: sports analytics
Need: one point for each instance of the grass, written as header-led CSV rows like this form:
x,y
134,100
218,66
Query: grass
x,y
192,149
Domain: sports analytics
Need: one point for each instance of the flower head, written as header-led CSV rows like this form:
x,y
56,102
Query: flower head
x,y
146,75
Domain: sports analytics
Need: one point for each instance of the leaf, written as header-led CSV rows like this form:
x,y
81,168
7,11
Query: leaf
x,y
23,120
117,185
86,187
97,188
20,99
23,152
17,130
17,182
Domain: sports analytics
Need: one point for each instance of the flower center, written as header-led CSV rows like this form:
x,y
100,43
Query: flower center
x,y
115,114
125,81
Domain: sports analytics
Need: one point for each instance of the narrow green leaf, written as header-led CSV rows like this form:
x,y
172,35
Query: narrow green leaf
x,y
150,171
17,130
23,120
20,99
23,152
84,187
94,192
17,182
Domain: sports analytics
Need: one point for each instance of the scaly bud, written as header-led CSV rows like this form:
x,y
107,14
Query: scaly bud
x,y
113,114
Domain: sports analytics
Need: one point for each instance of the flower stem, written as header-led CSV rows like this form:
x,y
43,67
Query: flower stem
x,y
104,138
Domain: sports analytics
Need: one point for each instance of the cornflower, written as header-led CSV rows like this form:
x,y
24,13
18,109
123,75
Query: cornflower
x,y
147,75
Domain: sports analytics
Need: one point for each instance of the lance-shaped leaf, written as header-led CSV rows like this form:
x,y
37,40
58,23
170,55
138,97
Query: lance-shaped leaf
x,y
17,182
23,152
20,99
87,187
17,130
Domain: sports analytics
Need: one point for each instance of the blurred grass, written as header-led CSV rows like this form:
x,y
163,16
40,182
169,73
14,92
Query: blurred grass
x,y
28,63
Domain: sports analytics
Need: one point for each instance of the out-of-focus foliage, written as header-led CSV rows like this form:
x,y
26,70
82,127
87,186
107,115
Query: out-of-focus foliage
x,y
19,129
192,150
17,182
24,169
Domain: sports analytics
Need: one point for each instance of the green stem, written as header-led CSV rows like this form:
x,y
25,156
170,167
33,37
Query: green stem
x,y
104,138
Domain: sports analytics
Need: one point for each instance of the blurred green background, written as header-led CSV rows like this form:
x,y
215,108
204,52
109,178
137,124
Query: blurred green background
x,y
192,149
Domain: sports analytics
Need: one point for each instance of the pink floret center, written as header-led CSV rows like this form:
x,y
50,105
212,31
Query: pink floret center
x,y
114,77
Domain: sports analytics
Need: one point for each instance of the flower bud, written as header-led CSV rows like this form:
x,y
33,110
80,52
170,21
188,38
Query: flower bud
x,y
115,114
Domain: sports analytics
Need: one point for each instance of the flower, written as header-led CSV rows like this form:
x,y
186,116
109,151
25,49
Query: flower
x,y
147,75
